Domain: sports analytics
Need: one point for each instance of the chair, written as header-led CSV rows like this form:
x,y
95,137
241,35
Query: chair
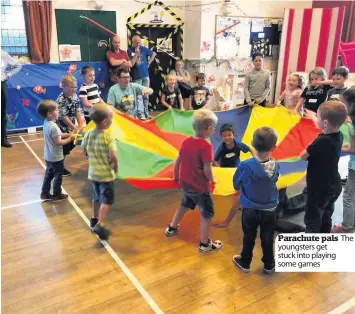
x,y
347,45
347,53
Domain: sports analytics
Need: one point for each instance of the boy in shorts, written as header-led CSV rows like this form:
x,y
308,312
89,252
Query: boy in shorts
x,y
193,170
100,147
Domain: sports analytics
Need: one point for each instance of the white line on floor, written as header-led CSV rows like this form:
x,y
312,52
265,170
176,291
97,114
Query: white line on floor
x,y
155,307
22,204
20,142
344,307
24,134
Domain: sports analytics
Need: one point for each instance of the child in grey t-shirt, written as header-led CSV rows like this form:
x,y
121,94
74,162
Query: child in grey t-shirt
x,y
53,151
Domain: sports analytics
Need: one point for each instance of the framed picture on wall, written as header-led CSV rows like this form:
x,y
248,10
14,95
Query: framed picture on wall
x,y
69,53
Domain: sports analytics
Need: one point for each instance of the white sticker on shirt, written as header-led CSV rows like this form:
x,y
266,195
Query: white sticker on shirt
x,y
132,54
230,155
312,101
335,96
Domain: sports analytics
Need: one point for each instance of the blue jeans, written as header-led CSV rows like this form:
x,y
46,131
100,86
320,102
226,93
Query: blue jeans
x,y
54,171
143,101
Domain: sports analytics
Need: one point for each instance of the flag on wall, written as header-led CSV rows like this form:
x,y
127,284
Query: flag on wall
x,y
310,38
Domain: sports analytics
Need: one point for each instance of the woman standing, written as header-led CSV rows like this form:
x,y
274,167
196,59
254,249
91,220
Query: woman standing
x,y
183,80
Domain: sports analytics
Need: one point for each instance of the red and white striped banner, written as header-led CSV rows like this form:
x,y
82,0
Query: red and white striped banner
x,y
310,38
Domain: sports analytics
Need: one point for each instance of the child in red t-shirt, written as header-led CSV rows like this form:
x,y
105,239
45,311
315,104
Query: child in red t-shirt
x,y
193,170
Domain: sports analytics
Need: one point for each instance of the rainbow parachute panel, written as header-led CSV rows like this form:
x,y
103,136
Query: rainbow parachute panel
x,y
147,150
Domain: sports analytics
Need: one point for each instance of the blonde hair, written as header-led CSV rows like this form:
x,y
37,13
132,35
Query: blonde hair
x,y
170,75
203,118
300,80
318,71
68,79
99,112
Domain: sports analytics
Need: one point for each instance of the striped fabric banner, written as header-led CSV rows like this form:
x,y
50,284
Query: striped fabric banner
x,y
310,38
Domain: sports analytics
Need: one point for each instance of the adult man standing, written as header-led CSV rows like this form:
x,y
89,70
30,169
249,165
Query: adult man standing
x,y
9,66
139,71
118,58
124,95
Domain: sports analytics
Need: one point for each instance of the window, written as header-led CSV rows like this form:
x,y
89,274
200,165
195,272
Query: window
x,y
13,30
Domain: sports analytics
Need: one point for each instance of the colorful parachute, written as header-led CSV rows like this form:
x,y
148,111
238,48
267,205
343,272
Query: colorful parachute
x,y
147,150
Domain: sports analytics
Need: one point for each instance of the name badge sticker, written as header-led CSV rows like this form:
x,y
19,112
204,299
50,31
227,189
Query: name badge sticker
x,y
230,155
312,101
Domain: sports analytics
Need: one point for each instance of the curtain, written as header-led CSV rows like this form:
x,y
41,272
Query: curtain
x,y
349,27
38,18
348,33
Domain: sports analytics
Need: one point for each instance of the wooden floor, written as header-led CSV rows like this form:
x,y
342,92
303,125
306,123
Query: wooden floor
x,y
52,263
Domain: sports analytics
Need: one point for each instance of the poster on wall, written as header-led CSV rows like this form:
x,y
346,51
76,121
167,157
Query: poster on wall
x,y
165,45
232,37
241,36
206,49
238,89
69,53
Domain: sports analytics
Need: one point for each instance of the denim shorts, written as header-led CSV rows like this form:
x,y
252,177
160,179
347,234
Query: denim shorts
x,y
202,200
103,192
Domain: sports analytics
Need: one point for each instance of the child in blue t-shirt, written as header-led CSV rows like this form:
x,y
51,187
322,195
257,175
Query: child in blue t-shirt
x,y
228,156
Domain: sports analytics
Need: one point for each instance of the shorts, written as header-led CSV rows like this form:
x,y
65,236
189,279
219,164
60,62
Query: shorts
x,y
103,192
67,148
87,119
202,200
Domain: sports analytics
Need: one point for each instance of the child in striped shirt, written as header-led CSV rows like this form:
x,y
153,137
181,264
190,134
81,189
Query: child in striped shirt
x,y
89,92
100,147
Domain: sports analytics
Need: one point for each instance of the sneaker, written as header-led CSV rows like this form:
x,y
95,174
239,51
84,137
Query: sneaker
x,y
142,118
46,196
170,231
102,232
269,269
212,246
60,197
66,173
343,181
93,222
149,118
240,262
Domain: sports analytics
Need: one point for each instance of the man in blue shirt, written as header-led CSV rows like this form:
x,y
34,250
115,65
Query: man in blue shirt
x,y
139,71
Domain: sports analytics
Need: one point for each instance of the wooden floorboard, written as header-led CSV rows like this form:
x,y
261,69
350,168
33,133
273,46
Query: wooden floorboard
x,y
52,263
